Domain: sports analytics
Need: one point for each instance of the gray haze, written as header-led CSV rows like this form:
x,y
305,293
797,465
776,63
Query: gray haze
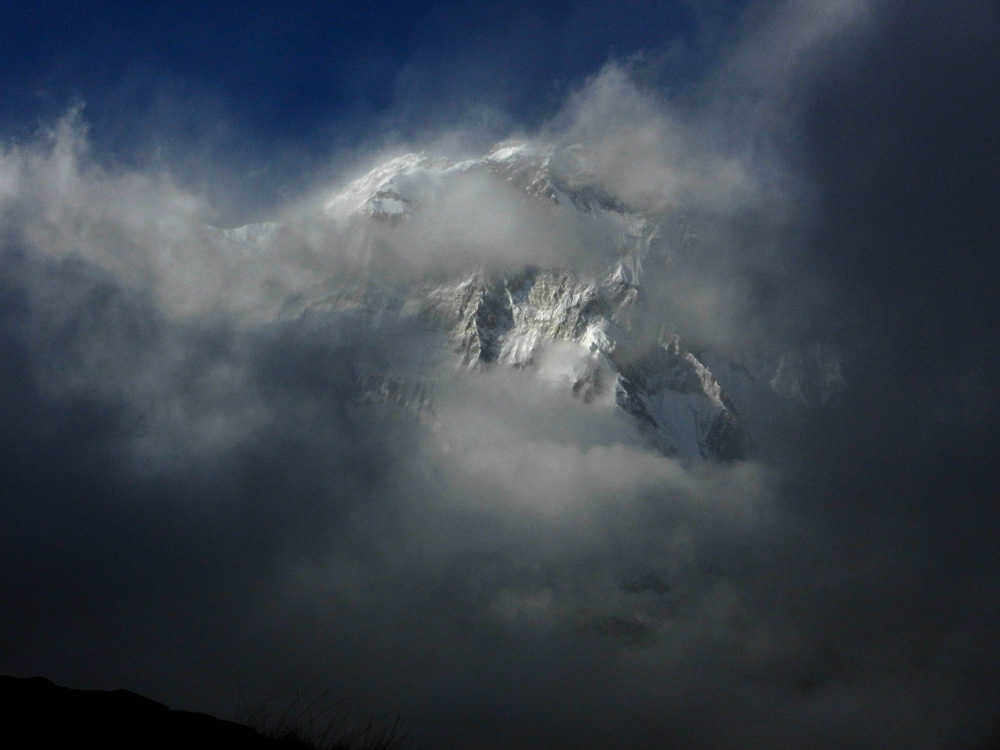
x,y
199,505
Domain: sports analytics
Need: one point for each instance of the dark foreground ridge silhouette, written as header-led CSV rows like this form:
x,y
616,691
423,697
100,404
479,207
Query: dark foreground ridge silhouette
x,y
113,719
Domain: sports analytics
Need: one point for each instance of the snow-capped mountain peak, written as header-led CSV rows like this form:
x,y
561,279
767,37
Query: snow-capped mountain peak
x,y
559,174
391,188
616,353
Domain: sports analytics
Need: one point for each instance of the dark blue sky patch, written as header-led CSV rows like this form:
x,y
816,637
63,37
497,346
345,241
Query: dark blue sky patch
x,y
305,74
323,48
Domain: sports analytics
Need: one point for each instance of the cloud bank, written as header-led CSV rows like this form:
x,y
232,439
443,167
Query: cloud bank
x,y
199,505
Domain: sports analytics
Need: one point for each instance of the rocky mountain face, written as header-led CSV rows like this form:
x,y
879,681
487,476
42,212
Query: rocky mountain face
x,y
690,403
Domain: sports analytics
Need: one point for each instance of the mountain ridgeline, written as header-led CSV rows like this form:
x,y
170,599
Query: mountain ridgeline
x,y
505,298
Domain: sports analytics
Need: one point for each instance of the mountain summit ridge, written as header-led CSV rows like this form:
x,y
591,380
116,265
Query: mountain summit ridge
x,y
616,346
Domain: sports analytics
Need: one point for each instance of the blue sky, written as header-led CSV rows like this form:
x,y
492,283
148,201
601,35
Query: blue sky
x,y
264,88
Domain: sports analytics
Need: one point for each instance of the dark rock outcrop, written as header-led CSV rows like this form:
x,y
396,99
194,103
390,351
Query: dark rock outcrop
x,y
43,714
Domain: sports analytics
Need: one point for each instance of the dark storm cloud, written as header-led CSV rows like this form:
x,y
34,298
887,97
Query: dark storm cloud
x,y
197,503
894,133
891,124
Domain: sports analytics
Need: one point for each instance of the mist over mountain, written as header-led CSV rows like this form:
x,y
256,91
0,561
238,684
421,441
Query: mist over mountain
x,y
667,420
